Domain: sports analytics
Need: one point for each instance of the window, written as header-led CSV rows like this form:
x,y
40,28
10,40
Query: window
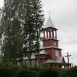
x,y
51,34
28,63
33,62
57,53
45,34
18,63
55,43
37,62
48,34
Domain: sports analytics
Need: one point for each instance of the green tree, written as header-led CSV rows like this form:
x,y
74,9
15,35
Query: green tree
x,y
8,69
49,71
38,24
32,26
15,14
73,72
12,31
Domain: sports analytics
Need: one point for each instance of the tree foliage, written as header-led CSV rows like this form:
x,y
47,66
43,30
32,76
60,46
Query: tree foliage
x,y
8,69
21,23
12,32
33,24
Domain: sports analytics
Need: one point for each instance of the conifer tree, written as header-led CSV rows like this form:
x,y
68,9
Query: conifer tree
x,y
12,31
21,23
32,27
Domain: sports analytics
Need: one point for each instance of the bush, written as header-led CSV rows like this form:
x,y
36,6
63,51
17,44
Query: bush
x,y
64,73
8,69
26,72
73,72
49,72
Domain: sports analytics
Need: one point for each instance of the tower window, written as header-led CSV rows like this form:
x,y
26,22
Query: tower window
x,y
48,34
51,34
45,34
54,34
57,53
55,43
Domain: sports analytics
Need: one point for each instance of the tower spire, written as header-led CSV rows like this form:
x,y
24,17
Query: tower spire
x,y
49,22
49,14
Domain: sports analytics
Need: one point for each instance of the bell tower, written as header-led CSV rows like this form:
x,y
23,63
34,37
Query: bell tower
x,y
50,34
50,42
51,31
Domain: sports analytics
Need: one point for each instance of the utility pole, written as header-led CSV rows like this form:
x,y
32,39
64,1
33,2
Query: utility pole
x,y
68,58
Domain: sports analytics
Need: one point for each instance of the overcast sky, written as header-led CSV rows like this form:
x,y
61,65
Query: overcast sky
x,y
64,16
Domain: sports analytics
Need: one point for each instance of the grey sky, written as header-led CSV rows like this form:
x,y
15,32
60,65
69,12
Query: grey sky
x,y
64,16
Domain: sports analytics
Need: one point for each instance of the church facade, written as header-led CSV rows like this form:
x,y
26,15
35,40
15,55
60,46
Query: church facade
x,y
50,53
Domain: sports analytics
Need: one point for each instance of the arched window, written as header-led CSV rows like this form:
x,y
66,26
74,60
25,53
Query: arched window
x,y
48,34
54,43
28,63
54,34
51,34
37,62
33,62
57,53
45,34
18,63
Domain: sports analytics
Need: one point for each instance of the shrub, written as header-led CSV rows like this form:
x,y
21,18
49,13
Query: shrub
x,y
49,72
7,69
26,72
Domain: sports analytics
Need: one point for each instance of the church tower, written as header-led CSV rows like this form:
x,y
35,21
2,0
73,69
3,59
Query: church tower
x,y
50,42
50,53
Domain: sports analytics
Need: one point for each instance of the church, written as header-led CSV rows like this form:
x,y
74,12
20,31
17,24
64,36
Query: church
x,y
50,53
